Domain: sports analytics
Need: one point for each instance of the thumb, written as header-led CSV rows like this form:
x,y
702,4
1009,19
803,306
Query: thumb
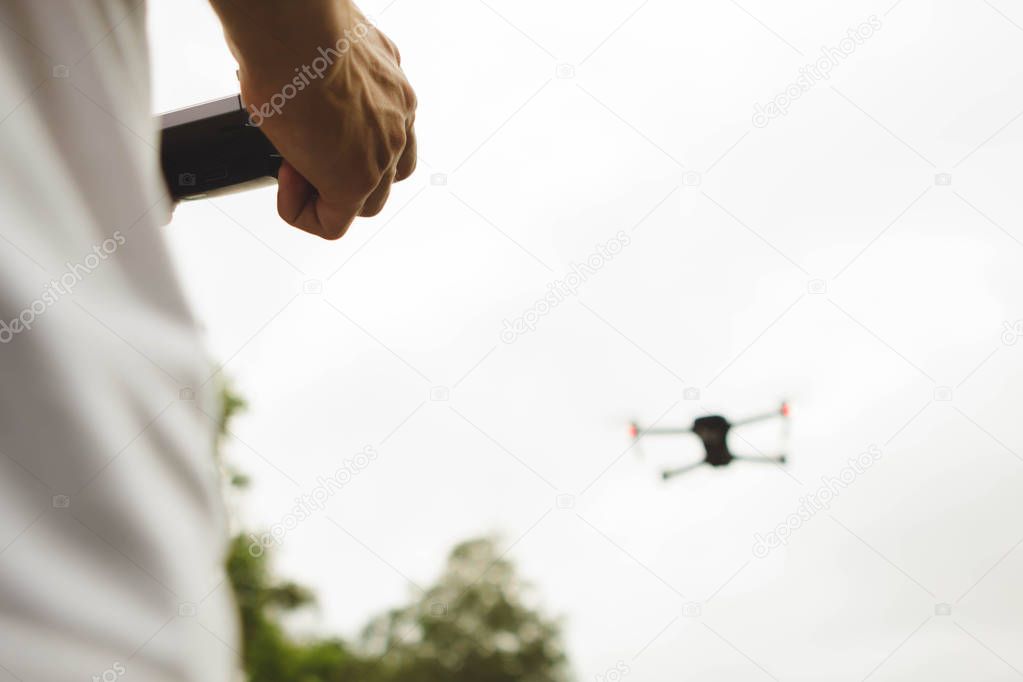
x,y
300,205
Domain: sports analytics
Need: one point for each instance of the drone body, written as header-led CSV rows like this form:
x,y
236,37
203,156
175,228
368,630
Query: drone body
x,y
712,431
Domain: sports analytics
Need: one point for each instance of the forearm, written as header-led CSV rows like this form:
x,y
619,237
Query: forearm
x,y
271,38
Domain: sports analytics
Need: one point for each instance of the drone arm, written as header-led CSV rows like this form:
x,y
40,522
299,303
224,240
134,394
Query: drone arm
x,y
783,412
672,473
662,432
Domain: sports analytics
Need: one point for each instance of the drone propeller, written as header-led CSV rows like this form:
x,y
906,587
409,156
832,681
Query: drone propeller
x,y
635,436
786,430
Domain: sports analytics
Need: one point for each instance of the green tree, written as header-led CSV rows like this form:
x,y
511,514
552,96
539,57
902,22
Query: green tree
x,y
269,654
474,625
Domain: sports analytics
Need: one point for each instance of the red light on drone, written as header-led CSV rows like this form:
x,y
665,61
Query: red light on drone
x,y
633,431
785,410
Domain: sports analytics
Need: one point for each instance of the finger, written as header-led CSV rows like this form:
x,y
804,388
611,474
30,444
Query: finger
x,y
294,192
378,199
391,47
334,220
299,205
410,157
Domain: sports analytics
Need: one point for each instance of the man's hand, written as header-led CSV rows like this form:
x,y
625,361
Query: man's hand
x,y
327,89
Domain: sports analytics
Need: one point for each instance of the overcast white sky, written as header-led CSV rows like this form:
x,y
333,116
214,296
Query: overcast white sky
x,y
730,226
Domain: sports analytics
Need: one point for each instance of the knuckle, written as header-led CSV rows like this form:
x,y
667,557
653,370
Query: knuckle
x,y
407,171
411,98
335,230
396,138
372,210
392,47
363,183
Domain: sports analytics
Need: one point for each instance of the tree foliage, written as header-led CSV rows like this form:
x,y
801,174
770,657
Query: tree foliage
x,y
475,624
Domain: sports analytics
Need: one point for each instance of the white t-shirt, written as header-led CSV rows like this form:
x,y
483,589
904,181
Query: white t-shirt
x,y
112,530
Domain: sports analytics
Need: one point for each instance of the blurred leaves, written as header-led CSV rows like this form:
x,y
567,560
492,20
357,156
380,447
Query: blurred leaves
x,y
475,624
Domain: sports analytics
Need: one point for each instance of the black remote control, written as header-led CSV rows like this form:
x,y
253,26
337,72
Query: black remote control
x,y
212,149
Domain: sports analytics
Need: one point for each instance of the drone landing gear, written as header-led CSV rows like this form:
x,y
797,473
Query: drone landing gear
x,y
672,473
766,459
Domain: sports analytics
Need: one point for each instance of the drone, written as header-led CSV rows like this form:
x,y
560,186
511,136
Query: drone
x,y
712,431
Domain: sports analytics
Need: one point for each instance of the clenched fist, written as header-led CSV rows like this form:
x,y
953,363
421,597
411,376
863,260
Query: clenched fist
x,y
327,89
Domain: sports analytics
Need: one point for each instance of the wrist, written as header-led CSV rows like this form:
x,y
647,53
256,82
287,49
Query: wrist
x,y
274,41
